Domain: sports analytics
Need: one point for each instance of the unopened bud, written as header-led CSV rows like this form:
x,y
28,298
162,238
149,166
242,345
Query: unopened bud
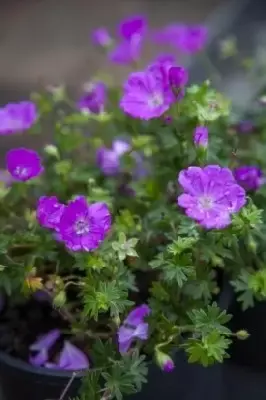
x,y
164,361
52,150
242,334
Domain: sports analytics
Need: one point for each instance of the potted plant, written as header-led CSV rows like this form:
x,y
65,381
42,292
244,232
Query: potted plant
x,y
116,237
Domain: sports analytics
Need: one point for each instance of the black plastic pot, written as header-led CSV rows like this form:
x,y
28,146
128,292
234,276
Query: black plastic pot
x,y
22,381
252,351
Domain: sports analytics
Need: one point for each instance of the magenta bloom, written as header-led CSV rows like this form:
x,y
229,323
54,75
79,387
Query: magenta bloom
x,y
42,346
133,328
70,359
126,52
101,37
132,26
192,39
17,117
201,136
146,95
188,39
83,226
49,212
211,195
108,160
249,177
93,101
23,164
245,126
131,33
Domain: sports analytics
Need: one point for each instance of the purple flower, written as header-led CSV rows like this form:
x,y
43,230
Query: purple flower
x,y
49,212
42,346
132,26
133,328
93,101
102,37
201,136
172,77
71,359
127,51
23,164
83,226
131,33
192,39
17,117
146,95
108,160
211,195
188,39
245,126
178,77
249,177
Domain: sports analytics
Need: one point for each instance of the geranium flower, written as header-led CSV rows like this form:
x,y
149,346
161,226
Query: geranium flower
x,y
201,136
187,38
133,327
49,212
23,164
192,39
146,95
249,177
211,195
94,99
83,226
42,346
17,117
172,77
108,160
71,358
131,33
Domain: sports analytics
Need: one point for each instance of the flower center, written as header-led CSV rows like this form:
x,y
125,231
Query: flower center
x,y
156,100
206,202
82,227
21,171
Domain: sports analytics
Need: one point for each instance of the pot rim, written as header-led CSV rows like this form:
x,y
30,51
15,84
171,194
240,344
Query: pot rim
x,y
18,364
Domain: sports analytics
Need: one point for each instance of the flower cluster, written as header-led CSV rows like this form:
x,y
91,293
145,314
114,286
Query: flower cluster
x,y
117,240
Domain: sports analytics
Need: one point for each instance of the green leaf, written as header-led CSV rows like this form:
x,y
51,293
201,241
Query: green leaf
x,y
126,376
208,350
241,286
210,319
90,388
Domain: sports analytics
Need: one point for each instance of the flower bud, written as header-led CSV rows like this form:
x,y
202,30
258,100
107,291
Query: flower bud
x,y
102,38
52,150
164,361
201,136
242,334
178,77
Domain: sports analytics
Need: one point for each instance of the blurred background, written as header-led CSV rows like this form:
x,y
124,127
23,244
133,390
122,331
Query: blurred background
x,y
50,39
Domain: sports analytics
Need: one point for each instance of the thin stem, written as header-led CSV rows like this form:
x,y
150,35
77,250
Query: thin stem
x,y
62,396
